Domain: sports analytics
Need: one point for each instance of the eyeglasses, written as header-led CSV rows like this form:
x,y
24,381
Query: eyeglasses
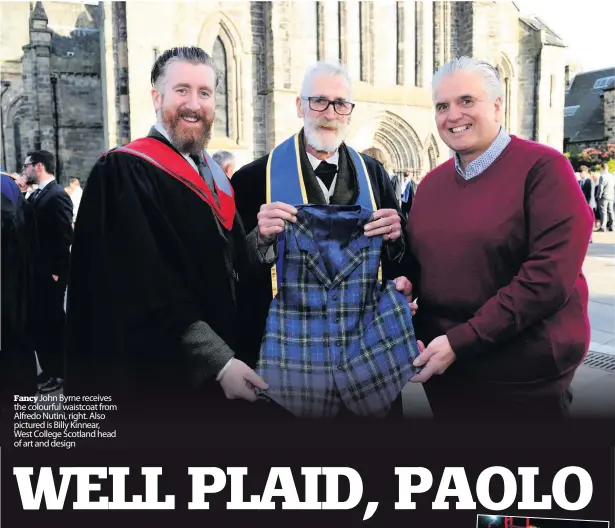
x,y
320,104
23,167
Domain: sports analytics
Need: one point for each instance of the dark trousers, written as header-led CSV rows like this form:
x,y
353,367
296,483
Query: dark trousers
x,y
17,364
51,326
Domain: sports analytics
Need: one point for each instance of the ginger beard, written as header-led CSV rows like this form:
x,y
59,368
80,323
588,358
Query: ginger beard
x,y
324,135
189,131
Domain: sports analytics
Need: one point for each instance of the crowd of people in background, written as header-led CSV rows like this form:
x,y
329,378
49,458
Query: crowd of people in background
x,y
598,186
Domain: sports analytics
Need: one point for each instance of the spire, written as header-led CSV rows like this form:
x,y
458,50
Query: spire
x,y
40,34
38,13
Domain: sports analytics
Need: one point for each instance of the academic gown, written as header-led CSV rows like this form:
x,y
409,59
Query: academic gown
x,y
249,183
147,261
20,254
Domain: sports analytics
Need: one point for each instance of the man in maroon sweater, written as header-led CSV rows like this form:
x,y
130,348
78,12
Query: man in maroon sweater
x,y
498,235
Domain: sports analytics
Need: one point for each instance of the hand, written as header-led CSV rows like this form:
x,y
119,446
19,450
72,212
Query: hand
x,y
239,382
55,277
386,222
436,358
405,286
20,180
271,220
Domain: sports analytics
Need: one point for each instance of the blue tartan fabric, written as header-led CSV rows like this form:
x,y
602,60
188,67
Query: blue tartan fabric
x,y
335,336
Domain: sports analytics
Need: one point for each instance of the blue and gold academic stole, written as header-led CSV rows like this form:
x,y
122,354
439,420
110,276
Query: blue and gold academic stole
x,y
285,184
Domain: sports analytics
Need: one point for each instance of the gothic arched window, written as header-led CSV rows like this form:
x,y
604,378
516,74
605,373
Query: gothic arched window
x,y
19,159
221,125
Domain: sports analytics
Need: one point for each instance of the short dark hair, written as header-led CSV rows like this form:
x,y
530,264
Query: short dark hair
x,y
191,54
46,158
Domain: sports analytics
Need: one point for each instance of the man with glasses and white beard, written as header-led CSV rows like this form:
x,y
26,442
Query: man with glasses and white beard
x,y
330,173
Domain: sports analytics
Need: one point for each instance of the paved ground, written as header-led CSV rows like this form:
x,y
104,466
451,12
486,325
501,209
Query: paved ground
x,y
593,388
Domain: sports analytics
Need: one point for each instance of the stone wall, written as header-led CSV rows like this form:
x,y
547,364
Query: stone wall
x,y
609,115
75,61
383,105
529,74
578,146
551,97
57,103
462,29
80,120
153,27
268,46
258,13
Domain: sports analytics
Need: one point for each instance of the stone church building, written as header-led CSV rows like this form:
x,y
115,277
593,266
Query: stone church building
x,y
75,75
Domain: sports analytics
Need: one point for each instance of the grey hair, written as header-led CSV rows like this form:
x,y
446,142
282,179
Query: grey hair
x,y
324,68
190,54
491,76
223,157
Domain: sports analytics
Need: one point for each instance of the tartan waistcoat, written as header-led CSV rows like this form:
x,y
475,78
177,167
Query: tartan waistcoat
x,y
335,336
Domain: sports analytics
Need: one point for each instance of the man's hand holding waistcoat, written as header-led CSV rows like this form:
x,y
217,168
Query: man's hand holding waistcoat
x,y
436,358
238,381
404,286
271,219
211,357
386,222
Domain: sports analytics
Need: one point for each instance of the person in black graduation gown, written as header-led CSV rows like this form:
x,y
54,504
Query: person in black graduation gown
x,y
325,107
19,256
157,258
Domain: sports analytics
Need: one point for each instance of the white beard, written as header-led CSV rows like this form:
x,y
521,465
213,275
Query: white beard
x,y
314,139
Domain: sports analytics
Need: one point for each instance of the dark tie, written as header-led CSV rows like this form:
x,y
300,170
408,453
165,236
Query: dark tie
x,y
206,174
326,172
34,195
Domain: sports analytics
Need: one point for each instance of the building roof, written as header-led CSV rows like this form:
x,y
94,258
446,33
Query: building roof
x,y
583,112
551,37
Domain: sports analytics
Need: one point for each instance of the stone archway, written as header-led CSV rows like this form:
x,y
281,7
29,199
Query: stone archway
x,y
18,133
400,141
393,135
432,152
507,76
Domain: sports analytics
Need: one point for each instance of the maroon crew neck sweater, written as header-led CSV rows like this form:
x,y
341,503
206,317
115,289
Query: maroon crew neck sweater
x,y
497,267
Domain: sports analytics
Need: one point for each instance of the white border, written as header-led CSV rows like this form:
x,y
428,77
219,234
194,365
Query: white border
x,y
478,515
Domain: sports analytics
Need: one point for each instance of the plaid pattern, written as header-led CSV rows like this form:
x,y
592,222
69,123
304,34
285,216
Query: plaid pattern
x,y
334,335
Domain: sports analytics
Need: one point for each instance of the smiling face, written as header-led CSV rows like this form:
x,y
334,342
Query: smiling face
x,y
185,105
468,119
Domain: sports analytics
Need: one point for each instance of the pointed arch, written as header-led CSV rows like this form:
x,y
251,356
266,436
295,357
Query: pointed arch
x,y
219,24
220,38
507,74
432,151
17,126
221,125
506,66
